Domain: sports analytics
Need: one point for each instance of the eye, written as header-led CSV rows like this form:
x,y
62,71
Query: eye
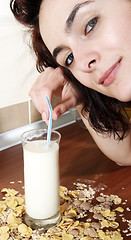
x,y
69,60
90,25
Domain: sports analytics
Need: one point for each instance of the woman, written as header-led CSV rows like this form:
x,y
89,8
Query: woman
x,y
85,47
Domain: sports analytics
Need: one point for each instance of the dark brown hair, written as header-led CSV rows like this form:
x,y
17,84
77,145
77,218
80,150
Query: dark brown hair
x,y
104,113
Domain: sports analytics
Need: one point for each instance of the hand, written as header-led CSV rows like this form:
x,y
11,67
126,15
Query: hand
x,y
53,82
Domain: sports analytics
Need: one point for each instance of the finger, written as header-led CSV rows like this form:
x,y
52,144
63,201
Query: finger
x,y
47,83
63,106
41,104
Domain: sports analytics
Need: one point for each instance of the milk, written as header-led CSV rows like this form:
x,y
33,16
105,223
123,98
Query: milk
x,y
41,177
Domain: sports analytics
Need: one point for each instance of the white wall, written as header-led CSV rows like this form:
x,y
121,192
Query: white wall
x,y
17,63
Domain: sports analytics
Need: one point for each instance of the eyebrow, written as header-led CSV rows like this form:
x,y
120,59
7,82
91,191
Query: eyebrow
x,y
73,13
56,51
69,23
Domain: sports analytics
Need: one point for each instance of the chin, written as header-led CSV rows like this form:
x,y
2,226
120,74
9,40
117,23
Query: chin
x,y
124,98
124,94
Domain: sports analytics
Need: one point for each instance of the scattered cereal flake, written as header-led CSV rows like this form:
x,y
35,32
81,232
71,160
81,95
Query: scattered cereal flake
x,y
83,199
24,230
11,219
123,219
98,216
64,193
75,204
114,224
90,232
119,209
19,210
101,234
73,193
128,234
9,192
86,225
62,208
85,206
85,238
117,200
108,213
100,199
11,202
2,206
19,181
19,199
4,236
4,229
107,238
117,236
66,236
74,225
128,209
74,232
63,189
12,182
71,212
105,223
4,233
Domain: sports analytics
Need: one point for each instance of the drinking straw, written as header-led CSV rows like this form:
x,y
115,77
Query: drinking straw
x,y
50,122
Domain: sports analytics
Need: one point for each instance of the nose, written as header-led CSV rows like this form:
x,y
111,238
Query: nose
x,y
86,61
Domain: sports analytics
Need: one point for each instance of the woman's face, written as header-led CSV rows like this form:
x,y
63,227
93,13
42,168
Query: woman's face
x,y
93,40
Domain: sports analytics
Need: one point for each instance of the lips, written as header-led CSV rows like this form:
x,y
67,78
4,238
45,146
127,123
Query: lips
x,y
110,75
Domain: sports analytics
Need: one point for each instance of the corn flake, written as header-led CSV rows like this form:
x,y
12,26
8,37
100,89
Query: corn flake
x,y
117,236
117,200
108,213
11,219
24,230
71,226
114,224
66,236
119,209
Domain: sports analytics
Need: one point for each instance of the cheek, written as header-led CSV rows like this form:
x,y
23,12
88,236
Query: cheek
x,y
88,80
124,32
114,37
117,30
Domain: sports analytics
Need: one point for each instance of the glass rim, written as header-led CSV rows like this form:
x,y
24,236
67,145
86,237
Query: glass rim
x,y
37,130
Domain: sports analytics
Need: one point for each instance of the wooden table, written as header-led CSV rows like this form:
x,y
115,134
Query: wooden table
x,y
80,161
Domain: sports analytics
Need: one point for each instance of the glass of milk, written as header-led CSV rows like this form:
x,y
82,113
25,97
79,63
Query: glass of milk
x,y
41,178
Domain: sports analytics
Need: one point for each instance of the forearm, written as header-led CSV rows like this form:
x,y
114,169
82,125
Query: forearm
x,y
117,151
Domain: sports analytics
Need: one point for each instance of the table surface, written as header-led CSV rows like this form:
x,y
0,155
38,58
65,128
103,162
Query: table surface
x,y
80,161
